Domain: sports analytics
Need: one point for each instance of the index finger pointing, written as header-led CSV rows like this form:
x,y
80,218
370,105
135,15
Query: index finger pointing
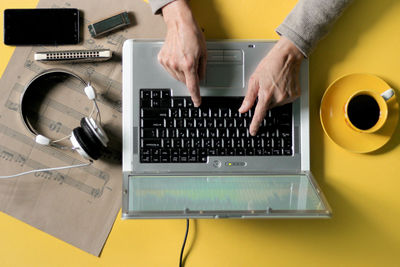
x,y
192,83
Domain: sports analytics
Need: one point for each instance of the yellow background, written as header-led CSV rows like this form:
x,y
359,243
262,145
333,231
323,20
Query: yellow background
x,y
363,189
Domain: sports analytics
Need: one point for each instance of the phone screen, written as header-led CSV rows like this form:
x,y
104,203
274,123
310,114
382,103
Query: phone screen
x,y
47,26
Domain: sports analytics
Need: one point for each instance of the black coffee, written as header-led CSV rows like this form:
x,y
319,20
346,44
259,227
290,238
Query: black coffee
x,y
363,111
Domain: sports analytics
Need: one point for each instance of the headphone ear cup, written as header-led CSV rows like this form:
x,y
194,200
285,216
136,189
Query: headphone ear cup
x,y
89,132
91,148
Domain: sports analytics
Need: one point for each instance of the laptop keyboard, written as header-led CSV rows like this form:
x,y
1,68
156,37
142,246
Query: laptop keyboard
x,y
172,130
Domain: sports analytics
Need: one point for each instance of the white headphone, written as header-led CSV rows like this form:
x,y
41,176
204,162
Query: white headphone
x,y
89,140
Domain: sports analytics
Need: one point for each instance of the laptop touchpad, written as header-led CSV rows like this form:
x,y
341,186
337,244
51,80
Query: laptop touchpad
x,y
224,68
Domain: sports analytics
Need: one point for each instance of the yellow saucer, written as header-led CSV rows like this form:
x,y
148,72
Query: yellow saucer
x,y
332,113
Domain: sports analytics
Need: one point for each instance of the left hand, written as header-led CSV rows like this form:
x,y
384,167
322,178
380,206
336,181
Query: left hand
x,y
275,81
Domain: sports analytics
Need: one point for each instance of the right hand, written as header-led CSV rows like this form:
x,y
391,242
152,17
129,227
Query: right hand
x,y
184,52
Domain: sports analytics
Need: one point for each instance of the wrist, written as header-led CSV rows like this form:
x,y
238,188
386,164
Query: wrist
x,y
177,11
290,48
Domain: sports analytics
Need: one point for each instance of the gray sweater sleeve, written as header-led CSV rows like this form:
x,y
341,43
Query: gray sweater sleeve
x,y
309,21
156,5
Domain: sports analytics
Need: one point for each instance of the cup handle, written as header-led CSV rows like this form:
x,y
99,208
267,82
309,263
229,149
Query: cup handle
x,y
388,94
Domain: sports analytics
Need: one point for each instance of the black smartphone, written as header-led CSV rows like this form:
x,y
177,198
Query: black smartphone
x,y
41,26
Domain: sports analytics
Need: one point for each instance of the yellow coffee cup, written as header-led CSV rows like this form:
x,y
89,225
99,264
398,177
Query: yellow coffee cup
x,y
366,111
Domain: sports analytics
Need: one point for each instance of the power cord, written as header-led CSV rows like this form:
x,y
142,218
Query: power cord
x,y
184,243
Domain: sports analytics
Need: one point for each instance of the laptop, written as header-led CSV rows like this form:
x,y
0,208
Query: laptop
x,y
180,161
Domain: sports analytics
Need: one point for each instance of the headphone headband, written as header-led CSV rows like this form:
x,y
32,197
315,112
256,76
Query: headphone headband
x,y
30,86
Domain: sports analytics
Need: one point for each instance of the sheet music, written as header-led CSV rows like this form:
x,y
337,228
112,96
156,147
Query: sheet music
x,y
76,205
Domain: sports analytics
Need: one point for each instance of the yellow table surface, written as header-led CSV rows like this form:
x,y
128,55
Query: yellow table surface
x,y
363,189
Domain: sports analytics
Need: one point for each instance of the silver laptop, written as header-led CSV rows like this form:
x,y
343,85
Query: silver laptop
x,y
185,162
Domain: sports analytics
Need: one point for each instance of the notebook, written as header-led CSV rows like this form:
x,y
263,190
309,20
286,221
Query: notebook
x,y
180,161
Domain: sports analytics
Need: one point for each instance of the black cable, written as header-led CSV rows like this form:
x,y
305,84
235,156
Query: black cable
x,y
184,242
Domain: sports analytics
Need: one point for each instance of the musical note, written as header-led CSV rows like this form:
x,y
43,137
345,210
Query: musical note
x,y
6,155
55,126
20,159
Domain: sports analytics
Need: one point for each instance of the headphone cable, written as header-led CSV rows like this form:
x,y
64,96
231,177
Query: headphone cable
x,y
47,169
184,243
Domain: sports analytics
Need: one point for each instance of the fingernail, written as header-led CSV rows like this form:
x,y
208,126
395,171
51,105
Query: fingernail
x,y
242,107
196,103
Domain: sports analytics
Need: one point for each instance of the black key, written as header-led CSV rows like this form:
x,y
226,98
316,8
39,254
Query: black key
x,y
145,103
155,155
202,158
259,151
217,143
257,143
145,158
151,143
165,103
209,123
227,142
248,142
145,151
162,132
178,102
185,113
250,151
240,123
202,132
145,94
149,133
187,143
169,123
165,155
232,132
153,123
192,158
222,133
192,133
239,151
212,152
189,123
243,132
230,152
199,123
230,123
221,152
276,152
212,133
189,102
174,112
287,143
204,112
166,143
181,132
197,143
208,143
202,152
154,113
214,112
267,151
179,123
165,93
155,94
287,152
194,112
155,103
177,143
183,158
171,133
220,123
224,112
237,143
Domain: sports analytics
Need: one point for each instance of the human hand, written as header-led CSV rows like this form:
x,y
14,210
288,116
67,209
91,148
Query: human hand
x,y
184,52
275,81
